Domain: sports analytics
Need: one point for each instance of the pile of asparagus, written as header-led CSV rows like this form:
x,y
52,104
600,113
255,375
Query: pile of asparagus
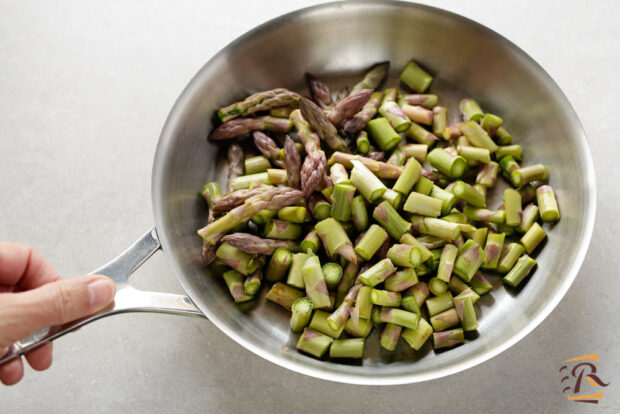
x,y
384,233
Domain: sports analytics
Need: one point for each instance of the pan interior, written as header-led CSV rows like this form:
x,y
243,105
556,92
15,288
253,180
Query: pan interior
x,y
336,42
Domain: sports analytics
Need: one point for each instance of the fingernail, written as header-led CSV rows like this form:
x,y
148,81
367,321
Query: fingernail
x,y
101,292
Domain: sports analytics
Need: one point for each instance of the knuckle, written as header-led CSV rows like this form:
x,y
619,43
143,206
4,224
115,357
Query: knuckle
x,y
62,303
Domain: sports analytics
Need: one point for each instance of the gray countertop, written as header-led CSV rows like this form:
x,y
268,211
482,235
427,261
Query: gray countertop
x,y
84,90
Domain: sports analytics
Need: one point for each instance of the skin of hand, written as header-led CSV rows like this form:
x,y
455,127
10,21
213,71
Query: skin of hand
x,y
33,296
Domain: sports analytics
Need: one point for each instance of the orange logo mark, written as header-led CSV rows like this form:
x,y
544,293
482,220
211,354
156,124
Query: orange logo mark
x,y
579,372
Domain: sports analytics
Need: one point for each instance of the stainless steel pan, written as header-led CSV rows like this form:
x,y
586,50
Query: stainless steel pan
x,y
338,40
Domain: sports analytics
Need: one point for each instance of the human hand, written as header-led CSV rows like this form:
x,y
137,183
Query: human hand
x,y
33,296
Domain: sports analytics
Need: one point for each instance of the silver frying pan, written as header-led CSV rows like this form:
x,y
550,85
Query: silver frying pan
x,y
337,41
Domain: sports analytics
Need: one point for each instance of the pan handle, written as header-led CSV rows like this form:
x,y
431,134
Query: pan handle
x,y
127,299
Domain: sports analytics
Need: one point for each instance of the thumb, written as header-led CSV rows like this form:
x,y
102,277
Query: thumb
x,y
22,314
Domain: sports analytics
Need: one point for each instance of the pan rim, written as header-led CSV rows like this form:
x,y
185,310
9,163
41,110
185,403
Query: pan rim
x,y
353,378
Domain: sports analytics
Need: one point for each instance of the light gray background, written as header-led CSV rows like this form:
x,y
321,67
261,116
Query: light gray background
x,y
85,87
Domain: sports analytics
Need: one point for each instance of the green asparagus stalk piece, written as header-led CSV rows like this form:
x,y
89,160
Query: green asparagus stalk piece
x,y
252,283
447,198
545,197
416,78
405,255
508,164
409,176
444,320
423,205
359,214
338,174
448,339
440,120
425,186
452,165
333,273
278,265
377,273
361,330
534,236
470,110
370,243
211,193
479,235
475,155
484,215
467,314
301,312
419,293
246,181
242,126
469,260
446,262
378,168
452,131
310,243
383,133
389,336
319,207
400,317
295,276
467,193
258,164
390,110
477,136
314,343
407,238
416,338
513,150
520,271
261,101
439,304
339,317
343,198
234,281
390,220
335,239
437,227
512,205
503,136
277,176
417,151
283,112
358,121
491,123
401,280
347,348
314,281
293,214
428,101
509,257
363,305
283,295
437,286
480,284
397,157
385,298
420,134
240,261
526,175
366,182
457,286
492,250
282,230
362,141
320,324
528,218
487,174
528,193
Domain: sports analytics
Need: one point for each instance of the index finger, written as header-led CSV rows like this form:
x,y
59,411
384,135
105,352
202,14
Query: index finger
x,y
24,267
